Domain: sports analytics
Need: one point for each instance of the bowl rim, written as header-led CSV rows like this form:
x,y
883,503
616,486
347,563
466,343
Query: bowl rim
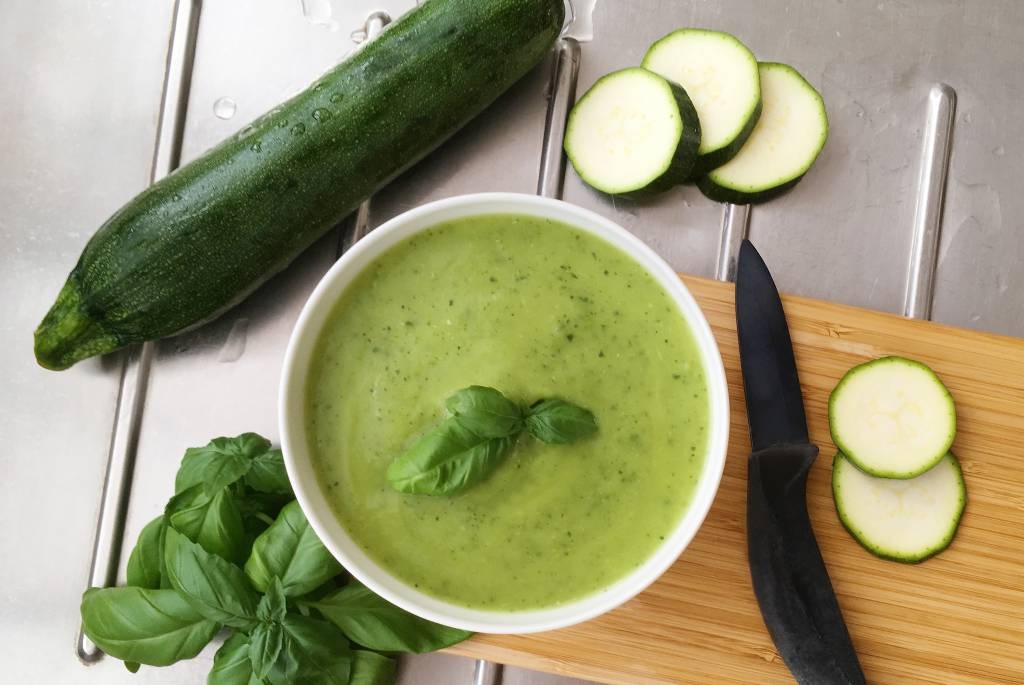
x,y
291,415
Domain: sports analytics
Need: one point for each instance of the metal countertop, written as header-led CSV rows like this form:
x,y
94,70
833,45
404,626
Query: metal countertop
x,y
86,121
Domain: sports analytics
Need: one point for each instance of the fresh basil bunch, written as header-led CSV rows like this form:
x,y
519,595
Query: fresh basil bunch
x,y
484,426
233,550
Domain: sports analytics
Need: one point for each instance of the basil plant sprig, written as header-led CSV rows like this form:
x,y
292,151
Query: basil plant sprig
x,y
234,551
465,448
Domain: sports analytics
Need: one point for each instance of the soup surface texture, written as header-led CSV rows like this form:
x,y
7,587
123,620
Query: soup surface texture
x,y
536,309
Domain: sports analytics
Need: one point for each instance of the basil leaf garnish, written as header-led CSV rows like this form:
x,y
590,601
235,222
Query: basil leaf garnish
x,y
467,447
447,460
485,412
559,422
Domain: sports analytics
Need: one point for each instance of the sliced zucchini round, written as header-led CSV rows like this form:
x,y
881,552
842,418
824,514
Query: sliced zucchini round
x,y
633,133
720,75
903,520
783,145
892,417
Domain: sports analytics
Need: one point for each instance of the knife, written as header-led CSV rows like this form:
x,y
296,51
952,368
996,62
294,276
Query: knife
x,y
792,586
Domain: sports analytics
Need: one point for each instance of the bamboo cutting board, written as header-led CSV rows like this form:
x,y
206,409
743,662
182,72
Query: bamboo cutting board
x,y
956,618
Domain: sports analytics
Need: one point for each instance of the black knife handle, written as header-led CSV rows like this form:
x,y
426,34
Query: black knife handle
x,y
789,576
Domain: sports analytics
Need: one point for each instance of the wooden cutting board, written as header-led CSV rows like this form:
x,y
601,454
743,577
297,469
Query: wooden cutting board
x,y
956,618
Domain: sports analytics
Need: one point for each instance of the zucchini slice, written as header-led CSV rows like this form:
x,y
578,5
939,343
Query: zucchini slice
x,y
783,145
633,133
902,520
892,417
720,75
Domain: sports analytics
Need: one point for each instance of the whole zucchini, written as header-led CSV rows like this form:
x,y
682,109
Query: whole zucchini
x,y
206,236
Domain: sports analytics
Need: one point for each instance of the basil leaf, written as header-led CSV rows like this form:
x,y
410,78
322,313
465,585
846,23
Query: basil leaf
x,y
214,587
447,460
219,463
152,627
290,550
323,590
231,665
146,563
485,412
559,422
370,668
213,522
132,666
373,622
265,648
259,509
313,652
268,474
273,606
266,503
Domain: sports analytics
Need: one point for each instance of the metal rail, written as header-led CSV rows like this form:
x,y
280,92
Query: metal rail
x,y
931,189
106,556
562,95
735,227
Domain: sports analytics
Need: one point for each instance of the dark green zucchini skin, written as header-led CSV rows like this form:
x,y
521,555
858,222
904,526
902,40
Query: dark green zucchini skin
x,y
204,237
720,193
716,158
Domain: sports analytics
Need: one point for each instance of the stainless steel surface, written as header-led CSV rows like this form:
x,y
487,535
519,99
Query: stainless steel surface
x,y
80,90
106,555
931,187
735,227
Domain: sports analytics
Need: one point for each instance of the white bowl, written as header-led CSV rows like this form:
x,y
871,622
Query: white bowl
x,y
319,513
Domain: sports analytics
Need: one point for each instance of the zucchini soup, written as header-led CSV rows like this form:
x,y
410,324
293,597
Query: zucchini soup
x,y
536,309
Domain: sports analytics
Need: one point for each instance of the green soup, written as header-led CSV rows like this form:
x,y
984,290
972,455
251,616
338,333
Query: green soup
x,y
536,309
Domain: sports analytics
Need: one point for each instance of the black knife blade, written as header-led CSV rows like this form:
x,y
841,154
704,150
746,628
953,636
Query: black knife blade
x,y
775,405
790,580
